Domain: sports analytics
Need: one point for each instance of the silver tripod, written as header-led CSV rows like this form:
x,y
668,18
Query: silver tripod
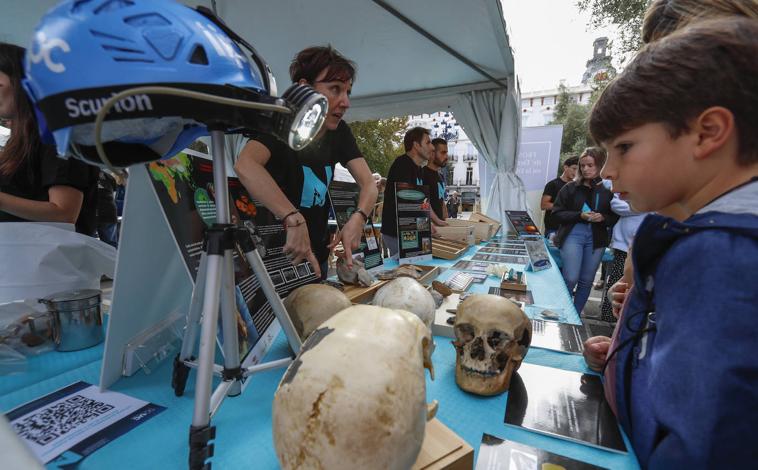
x,y
214,291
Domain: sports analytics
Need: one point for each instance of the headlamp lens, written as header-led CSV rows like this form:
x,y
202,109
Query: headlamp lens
x,y
309,109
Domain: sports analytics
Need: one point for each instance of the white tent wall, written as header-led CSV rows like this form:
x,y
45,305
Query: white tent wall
x,y
492,121
413,57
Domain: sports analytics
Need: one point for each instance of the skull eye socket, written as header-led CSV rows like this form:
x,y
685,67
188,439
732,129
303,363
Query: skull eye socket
x,y
497,338
465,332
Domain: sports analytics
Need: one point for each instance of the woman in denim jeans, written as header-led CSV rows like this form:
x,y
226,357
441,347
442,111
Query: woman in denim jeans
x,y
583,209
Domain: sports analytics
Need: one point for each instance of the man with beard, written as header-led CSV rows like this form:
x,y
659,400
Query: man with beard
x,y
405,169
433,179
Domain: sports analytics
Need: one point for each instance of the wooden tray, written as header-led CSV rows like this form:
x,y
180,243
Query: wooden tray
x,y
479,217
430,273
482,230
447,249
363,295
463,234
360,294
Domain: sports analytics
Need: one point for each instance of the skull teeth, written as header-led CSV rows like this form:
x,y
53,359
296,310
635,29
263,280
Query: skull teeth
x,y
486,373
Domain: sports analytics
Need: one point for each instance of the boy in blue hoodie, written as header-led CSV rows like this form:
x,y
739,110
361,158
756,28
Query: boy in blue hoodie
x,y
679,125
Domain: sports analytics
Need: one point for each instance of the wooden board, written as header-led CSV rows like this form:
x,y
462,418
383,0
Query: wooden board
x,y
443,450
360,294
430,273
363,295
479,217
482,230
463,234
447,249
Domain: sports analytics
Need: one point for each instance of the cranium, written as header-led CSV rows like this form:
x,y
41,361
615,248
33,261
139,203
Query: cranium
x,y
407,294
492,336
355,395
311,305
357,275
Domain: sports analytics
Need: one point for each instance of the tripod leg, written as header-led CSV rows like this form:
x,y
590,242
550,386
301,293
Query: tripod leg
x,y
181,370
201,431
229,316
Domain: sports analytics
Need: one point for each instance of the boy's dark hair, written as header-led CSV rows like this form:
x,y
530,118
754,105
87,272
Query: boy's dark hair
x,y
663,17
309,62
672,81
414,135
438,141
571,161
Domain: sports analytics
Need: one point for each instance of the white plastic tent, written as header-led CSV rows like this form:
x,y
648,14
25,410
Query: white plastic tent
x,y
413,56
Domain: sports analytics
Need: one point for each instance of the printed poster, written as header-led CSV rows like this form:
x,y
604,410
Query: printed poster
x,y
343,197
414,225
184,186
522,223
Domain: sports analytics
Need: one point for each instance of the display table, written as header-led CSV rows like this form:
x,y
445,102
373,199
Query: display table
x,y
243,423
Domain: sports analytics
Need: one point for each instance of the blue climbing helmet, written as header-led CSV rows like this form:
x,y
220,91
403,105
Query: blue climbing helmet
x,y
85,51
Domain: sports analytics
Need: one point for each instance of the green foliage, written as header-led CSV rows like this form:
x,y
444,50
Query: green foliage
x,y
380,141
573,116
626,15
561,108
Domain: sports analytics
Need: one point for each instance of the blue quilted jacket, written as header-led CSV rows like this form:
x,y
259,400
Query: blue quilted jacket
x,y
687,361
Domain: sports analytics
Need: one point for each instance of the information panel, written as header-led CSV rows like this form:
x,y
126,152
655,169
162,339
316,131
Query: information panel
x,y
344,196
184,186
414,226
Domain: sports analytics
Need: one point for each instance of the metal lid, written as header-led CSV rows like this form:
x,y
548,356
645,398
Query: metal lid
x,y
72,299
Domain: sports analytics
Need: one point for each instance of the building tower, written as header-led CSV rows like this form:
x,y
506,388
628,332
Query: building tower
x,y
599,63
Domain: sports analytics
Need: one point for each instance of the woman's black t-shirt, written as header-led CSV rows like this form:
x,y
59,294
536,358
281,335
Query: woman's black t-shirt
x,y
44,169
304,177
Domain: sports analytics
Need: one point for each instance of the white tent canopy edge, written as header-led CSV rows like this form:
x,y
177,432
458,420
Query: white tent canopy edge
x,y
428,56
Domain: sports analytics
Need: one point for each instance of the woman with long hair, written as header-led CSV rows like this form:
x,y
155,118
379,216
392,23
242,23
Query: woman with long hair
x,y
583,210
36,185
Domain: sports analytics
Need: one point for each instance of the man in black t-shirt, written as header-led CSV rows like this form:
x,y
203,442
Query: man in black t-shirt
x,y
551,192
405,169
293,185
433,179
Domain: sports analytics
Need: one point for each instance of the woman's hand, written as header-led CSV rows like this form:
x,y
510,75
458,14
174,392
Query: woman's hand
x,y
592,217
350,236
298,246
596,351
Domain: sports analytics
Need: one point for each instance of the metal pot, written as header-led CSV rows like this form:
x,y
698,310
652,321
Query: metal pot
x,y
76,319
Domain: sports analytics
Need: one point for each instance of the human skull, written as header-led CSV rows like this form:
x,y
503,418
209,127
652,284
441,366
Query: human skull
x,y
356,275
492,336
355,397
312,304
407,294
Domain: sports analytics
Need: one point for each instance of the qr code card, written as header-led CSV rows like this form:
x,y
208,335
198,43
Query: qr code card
x,y
59,421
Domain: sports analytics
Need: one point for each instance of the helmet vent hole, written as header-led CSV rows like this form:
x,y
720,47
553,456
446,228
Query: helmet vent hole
x,y
199,56
148,19
101,34
122,49
113,5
